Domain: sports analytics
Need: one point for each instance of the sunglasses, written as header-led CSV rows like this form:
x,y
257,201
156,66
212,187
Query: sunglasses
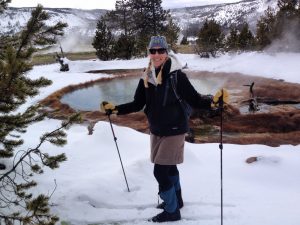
x,y
158,50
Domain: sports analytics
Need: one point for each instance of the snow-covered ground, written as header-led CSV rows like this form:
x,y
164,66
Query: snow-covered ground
x,y
91,188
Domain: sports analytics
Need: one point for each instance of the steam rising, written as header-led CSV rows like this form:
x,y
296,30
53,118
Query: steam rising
x,y
73,43
290,41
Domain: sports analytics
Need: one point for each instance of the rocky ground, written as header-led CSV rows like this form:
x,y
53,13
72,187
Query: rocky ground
x,y
276,122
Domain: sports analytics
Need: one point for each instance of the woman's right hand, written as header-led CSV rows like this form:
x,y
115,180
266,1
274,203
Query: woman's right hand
x,y
108,108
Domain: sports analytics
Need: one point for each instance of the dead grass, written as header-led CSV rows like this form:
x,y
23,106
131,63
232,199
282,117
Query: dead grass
x,y
43,59
185,49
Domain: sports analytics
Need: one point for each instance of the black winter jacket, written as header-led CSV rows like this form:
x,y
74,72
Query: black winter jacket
x,y
165,114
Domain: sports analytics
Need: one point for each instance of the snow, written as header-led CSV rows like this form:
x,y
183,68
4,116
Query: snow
x,y
91,188
276,65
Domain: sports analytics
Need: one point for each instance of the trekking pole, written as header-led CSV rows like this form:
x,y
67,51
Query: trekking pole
x,y
221,104
115,139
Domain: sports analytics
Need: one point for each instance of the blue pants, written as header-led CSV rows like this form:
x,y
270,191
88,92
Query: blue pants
x,y
167,177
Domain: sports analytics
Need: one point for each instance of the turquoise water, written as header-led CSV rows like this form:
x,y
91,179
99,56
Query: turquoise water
x,y
120,91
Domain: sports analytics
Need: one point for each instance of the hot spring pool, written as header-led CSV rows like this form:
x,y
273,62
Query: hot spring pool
x,y
121,90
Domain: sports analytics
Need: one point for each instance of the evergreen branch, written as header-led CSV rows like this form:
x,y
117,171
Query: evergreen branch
x,y
38,208
3,5
30,28
15,87
43,139
34,150
54,188
12,218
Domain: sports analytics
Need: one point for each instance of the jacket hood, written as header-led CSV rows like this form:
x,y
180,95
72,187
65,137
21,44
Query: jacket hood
x,y
172,64
175,64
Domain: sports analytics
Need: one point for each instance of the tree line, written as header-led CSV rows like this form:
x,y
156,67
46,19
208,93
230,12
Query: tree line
x,y
125,31
272,26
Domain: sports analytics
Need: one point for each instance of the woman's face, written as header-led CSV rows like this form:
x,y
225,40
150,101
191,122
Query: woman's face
x,y
158,56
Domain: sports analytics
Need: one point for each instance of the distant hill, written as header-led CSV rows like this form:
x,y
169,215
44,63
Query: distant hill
x,y
83,21
225,14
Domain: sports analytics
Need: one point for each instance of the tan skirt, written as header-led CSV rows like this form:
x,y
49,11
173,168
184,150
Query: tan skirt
x,y
167,150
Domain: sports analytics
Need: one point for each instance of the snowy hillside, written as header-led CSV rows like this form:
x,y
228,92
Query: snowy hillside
x,y
84,21
80,22
225,14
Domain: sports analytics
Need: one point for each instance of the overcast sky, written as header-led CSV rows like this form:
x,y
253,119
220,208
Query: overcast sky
x,y
108,4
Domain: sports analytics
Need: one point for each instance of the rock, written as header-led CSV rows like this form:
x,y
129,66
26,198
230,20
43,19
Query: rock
x,y
91,128
252,159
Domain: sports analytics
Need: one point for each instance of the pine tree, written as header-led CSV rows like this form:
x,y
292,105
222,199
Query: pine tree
x,y
210,39
134,22
171,32
246,38
124,47
286,14
276,26
231,43
17,204
103,41
288,6
288,20
265,29
121,19
150,20
149,16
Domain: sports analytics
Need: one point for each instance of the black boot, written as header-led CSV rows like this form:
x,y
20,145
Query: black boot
x,y
179,200
166,216
161,205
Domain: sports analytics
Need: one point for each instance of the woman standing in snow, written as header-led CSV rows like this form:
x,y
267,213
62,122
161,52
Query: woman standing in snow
x,y
164,102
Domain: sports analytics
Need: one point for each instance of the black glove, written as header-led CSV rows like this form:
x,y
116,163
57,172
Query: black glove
x,y
108,108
